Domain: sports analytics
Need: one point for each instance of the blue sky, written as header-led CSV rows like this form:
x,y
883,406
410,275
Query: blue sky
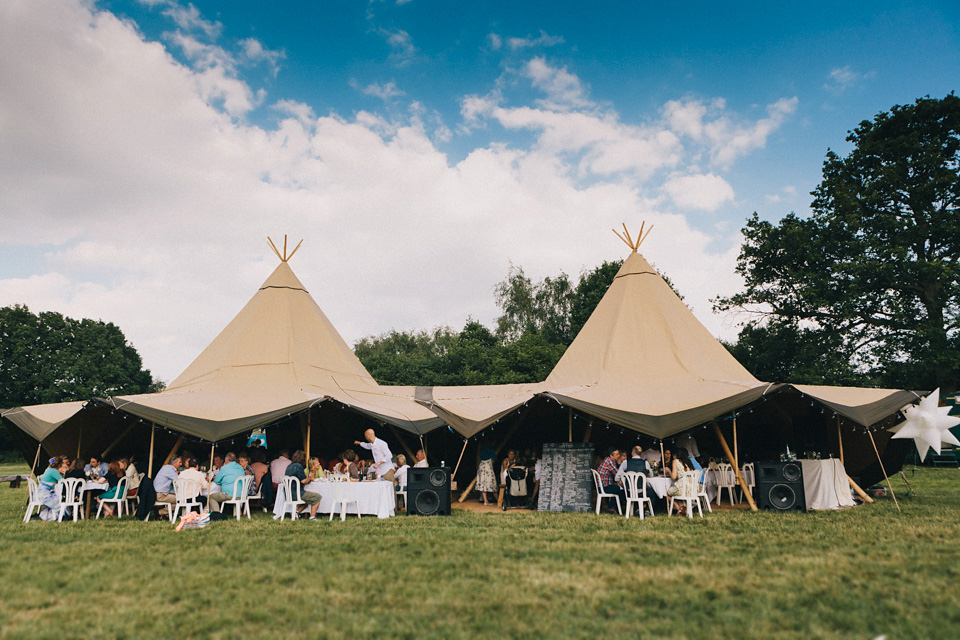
x,y
418,147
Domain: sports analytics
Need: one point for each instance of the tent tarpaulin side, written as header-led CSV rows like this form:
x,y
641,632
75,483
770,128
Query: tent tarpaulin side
x,y
861,405
40,420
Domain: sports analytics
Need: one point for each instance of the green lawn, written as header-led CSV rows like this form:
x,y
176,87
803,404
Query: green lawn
x,y
858,573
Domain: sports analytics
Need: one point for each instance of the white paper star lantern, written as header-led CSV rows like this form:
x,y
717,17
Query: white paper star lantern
x,y
928,425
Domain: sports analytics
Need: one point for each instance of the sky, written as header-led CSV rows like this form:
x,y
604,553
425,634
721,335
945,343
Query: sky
x,y
419,148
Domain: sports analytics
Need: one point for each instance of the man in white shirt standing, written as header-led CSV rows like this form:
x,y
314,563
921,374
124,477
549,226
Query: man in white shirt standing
x,y
421,459
382,458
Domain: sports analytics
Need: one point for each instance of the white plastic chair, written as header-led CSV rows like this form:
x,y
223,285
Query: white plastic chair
x,y
689,482
34,502
635,485
186,492
289,504
343,496
726,479
71,497
749,476
119,498
702,490
241,489
601,494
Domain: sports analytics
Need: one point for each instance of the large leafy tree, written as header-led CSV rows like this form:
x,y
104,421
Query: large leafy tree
x,y
874,270
538,321
53,358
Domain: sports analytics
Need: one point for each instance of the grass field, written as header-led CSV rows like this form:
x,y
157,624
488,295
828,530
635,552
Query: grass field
x,y
858,573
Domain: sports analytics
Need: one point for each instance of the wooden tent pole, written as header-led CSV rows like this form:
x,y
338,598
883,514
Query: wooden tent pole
x,y
588,432
860,492
569,424
173,451
736,453
840,439
403,443
885,476
309,412
455,469
79,438
36,459
663,464
153,434
212,446
117,441
736,469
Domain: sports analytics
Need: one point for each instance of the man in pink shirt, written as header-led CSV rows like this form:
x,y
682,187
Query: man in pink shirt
x,y
278,468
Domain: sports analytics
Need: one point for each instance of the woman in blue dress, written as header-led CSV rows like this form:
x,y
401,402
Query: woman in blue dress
x,y
47,486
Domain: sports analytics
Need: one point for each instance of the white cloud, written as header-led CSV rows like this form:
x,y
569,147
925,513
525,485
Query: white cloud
x,y
495,41
704,192
842,78
543,40
401,45
386,92
159,200
564,90
189,18
254,52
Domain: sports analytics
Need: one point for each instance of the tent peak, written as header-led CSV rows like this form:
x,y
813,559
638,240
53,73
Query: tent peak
x,y
284,257
633,243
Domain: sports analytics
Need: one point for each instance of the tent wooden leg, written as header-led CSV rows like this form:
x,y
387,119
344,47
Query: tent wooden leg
x,y
736,453
115,442
569,424
459,459
463,496
153,435
860,492
212,447
173,451
500,498
306,449
736,469
588,432
840,442
79,438
663,466
36,459
885,477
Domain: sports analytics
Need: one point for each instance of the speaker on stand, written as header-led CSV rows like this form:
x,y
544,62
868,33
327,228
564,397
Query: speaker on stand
x,y
428,491
780,486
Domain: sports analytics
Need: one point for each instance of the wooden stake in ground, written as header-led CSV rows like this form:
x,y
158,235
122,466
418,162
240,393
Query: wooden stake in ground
x,y
885,477
153,435
736,469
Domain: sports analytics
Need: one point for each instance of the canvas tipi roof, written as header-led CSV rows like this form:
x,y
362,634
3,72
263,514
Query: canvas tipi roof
x,y
279,355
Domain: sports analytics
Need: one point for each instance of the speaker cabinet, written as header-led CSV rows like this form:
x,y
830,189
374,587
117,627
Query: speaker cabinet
x,y
428,491
780,486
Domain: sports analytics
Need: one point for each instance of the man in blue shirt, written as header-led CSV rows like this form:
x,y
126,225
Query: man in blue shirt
x,y
163,481
226,477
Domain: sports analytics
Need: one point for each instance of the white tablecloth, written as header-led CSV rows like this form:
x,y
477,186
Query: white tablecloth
x,y
658,485
825,484
376,498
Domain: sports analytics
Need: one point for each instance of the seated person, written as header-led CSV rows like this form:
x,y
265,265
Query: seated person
x,y
163,481
96,468
244,461
226,479
112,477
352,468
133,477
48,488
421,459
192,472
635,463
316,469
400,475
76,470
296,470
279,467
259,466
608,473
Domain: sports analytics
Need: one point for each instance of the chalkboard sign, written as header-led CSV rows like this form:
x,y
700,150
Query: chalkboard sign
x,y
566,482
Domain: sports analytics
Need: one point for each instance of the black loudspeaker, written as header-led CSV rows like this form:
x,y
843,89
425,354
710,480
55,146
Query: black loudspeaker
x,y
428,491
780,486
